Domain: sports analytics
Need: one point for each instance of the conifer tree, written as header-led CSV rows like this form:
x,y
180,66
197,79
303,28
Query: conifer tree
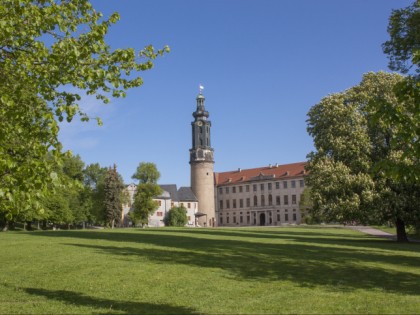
x,y
113,187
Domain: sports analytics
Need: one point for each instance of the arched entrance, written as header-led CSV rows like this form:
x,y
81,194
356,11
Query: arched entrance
x,y
262,219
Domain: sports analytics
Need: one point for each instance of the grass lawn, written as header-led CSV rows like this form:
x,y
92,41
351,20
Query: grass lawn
x,y
217,271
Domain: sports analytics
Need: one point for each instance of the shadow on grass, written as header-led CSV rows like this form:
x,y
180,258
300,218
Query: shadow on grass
x,y
106,305
307,261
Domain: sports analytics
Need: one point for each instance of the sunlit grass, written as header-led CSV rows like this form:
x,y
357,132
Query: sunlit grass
x,y
266,270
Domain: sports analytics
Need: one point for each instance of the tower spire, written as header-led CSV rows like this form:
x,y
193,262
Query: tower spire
x,y
201,161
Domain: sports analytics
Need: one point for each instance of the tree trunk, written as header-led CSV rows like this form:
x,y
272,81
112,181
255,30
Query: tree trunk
x,y
6,226
401,234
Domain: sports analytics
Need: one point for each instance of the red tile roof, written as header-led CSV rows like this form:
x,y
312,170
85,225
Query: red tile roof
x,y
266,172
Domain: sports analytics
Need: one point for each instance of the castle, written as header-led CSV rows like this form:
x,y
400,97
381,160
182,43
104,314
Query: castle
x,y
264,196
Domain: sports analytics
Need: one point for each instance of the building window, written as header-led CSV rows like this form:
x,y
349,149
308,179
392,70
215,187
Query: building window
x,y
248,219
227,204
240,189
286,200
293,199
234,190
278,200
293,182
270,200
262,200
221,204
247,188
189,205
262,187
278,217
227,220
241,219
286,217
227,190
254,187
234,218
255,201
294,216
220,190
241,203
302,183
234,203
248,202
284,184
221,220
159,214
269,186
160,203
277,185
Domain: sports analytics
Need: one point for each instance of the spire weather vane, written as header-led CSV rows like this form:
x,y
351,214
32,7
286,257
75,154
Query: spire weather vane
x,y
201,88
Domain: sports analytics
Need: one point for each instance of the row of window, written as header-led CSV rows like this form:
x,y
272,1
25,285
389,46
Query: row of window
x,y
254,218
227,204
173,204
262,186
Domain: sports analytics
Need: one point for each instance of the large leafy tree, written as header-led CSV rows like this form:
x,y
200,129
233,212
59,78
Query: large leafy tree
x,y
113,188
346,178
143,206
403,50
50,53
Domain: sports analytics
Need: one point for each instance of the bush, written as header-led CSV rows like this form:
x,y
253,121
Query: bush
x,y
177,216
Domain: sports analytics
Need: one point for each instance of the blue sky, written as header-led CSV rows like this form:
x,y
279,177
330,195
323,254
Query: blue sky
x,y
263,64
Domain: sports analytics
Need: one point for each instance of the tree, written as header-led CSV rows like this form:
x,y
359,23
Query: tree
x,y
50,53
146,173
113,187
177,216
94,182
403,47
351,142
403,50
147,189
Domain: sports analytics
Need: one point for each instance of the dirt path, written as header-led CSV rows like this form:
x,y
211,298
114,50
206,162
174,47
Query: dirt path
x,y
371,231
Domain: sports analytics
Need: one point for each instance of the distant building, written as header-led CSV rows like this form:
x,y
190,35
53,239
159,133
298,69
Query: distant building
x,y
260,196
170,197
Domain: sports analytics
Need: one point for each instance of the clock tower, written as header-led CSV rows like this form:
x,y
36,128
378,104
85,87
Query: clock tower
x,y
201,161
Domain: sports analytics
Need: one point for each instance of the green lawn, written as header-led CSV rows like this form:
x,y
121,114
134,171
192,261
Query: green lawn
x,y
217,271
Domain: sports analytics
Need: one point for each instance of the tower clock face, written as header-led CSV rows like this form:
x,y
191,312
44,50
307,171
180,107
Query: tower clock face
x,y
200,123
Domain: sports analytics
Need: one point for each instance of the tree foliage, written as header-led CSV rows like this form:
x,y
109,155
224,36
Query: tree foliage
x,y
146,172
147,189
403,46
403,50
346,175
177,216
113,190
50,53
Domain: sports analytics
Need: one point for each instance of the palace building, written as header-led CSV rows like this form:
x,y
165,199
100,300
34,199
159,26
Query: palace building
x,y
260,196
264,196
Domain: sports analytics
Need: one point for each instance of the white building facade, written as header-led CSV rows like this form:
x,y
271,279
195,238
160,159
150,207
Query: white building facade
x,y
170,197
